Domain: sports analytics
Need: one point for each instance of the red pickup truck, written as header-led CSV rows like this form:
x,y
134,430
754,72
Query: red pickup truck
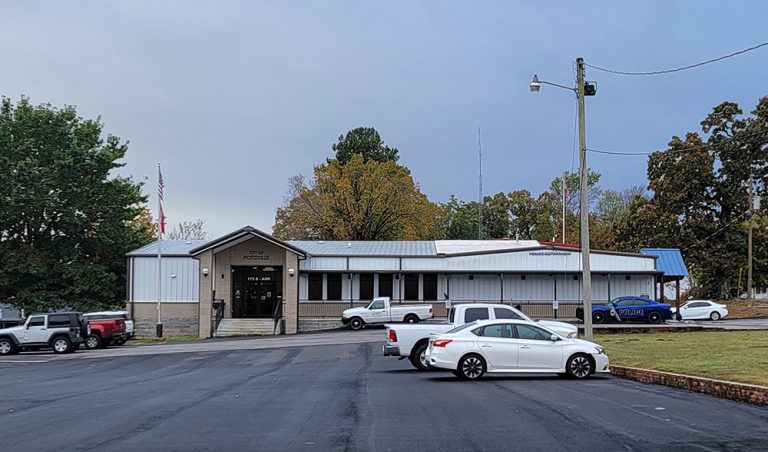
x,y
105,332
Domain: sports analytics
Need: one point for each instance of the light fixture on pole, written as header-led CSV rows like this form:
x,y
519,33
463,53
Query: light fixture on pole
x,y
582,89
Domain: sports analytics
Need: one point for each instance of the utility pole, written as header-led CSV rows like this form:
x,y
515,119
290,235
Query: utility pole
x,y
586,275
749,241
582,89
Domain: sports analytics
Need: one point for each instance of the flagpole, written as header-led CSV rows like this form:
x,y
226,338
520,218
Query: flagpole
x,y
159,325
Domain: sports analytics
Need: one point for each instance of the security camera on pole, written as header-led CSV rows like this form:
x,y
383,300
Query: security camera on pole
x,y
582,89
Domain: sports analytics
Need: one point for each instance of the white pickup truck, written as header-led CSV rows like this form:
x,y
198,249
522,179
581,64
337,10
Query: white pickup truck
x,y
381,311
411,341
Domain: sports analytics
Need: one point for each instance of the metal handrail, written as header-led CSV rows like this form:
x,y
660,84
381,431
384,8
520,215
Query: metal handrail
x,y
277,315
218,314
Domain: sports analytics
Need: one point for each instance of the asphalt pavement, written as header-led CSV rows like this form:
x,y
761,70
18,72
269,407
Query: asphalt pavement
x,y
341,397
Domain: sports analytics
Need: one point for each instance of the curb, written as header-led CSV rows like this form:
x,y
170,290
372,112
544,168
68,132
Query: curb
x,y
741,392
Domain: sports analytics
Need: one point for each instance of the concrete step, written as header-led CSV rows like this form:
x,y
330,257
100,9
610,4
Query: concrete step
x,y
245,327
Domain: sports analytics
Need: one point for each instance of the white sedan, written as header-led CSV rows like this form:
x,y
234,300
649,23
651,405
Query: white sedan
x,y
702,309
513,346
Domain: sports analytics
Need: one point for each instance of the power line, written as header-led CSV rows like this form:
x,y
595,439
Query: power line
x,y
669,71
716,232
696,148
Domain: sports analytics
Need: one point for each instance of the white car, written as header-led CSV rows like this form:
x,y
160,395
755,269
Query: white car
x,y
702,309
513,346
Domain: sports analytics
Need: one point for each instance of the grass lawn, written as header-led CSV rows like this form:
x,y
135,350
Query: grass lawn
x,y
729,355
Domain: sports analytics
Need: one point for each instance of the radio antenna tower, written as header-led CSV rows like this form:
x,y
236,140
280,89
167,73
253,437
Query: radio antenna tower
x,y
480,189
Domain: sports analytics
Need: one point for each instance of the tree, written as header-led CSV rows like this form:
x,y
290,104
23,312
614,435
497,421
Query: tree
x,y
459,219
66,221
700,198
573,189
496,222
358,200
366,142
189,230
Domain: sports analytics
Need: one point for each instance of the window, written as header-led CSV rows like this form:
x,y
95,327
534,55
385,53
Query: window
x,y
411,286
378,304
502,330
366,286
626,303
532,332
58,321
460,328
472,314
315,286
639,302
430,287
37,321
385,285
502,313
333,287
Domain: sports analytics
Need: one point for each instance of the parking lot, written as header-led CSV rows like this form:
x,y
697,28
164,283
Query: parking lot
x,y
341,397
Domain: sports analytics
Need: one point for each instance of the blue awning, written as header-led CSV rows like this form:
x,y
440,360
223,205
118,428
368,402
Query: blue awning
x,y
670,261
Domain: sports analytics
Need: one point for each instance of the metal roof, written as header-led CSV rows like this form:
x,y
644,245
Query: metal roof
x,y
238,236
367,248
476,246
670,261
169,248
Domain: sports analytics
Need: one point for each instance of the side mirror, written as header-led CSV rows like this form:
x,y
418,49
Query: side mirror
x,y
554,338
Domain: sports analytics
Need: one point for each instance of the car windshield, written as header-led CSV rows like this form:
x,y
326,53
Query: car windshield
x,y
459,328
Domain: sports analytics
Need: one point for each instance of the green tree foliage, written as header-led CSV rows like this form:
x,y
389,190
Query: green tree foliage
x,y
459,220
573,189
357,201
65,221
366,142
700,198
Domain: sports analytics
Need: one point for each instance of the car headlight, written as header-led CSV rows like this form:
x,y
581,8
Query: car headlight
x,y
600,350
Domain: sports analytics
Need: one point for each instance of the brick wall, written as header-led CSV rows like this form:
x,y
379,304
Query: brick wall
x,y
306,325
179,319
754,394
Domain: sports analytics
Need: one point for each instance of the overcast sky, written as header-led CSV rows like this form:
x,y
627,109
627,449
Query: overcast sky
x,y
235,97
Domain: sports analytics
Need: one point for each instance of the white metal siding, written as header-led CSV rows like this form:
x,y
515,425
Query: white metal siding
x,y
532,288
568,288
373,263
185,287
529,261
480,288
636,285
324,263
600,288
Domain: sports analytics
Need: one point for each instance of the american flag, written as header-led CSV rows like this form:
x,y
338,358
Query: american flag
x,y
160,186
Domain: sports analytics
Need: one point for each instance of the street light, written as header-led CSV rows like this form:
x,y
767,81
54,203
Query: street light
x,y
582,89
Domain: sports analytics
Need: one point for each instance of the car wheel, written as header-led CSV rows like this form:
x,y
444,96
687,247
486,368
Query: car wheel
x,y
411,319
121,341
471,367
356,323
598,317
7,347
578,366
714,316
418,357
61,344
654,317
93,342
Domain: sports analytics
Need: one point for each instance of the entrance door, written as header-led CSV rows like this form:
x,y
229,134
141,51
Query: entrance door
x,y
256,291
